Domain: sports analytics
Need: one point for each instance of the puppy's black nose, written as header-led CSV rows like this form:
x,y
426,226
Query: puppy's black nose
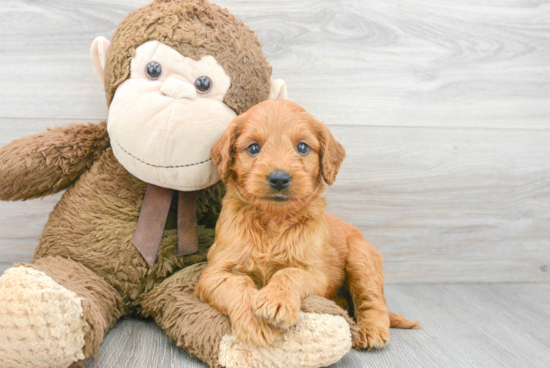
x,y
279,180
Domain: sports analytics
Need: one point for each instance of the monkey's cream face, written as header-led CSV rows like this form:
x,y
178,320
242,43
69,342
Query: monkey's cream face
x,y
164,119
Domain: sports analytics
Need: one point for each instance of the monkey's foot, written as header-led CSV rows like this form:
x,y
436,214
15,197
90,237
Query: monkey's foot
x,y
317,340
41,323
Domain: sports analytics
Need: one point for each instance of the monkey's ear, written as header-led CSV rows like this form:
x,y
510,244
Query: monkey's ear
x,y
332,153
222,152
278,90
98,52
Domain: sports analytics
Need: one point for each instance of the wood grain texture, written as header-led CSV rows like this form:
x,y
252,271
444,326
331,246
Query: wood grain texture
x,y
442,106
482,325
441,205
449,205
141,344
392,63
21,224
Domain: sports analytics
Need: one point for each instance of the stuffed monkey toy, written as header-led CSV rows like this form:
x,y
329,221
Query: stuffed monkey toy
x,y
130,234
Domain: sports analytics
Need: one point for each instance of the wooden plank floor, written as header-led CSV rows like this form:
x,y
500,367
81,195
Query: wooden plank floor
x,y
465,325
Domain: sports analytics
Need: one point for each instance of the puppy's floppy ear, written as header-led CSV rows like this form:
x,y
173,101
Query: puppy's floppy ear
x,y
223,150
331,154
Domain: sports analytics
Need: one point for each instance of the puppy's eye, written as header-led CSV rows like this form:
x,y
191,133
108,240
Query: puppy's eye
x,y
302,148
253,149
203,84
153,70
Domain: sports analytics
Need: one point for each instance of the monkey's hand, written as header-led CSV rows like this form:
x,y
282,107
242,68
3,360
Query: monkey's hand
x,y
46,163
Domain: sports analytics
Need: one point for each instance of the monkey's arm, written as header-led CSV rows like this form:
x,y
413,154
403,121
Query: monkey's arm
x,y
46,163
322,335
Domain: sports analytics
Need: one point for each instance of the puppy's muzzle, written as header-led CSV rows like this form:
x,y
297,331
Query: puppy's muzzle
x,y
279,180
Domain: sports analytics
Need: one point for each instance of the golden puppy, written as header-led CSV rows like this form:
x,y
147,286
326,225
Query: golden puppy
x,y
275,245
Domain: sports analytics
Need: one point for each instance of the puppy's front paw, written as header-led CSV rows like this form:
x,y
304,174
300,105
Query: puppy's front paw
x,y
371,337
252,330
277,307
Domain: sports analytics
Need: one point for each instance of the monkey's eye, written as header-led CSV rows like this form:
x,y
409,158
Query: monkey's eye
x,y
203,84
302,148
153,70
253,149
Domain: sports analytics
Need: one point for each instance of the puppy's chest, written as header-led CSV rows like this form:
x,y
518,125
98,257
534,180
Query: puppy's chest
x,y
274,250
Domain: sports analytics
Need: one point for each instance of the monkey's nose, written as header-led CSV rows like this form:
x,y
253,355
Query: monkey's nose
x,y
279,179
176,88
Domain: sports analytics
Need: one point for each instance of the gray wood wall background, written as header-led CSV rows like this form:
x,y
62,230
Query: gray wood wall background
x,y
443,107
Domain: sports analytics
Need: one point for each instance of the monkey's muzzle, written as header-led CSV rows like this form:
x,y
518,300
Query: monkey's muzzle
x,y
173,87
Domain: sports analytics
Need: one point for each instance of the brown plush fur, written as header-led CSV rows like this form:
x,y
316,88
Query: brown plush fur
x,y
175,308
88,237
282,242
47,163
86,245
194,28
94,224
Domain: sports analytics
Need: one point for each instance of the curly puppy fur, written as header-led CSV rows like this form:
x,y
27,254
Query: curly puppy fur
x,y
275,247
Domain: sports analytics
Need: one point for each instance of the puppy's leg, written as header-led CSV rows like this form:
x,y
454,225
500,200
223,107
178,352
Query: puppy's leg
x,y
366,283
279,302
233,295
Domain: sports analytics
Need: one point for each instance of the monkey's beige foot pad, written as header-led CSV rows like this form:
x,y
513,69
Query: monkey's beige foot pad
x,y
41,322
318,340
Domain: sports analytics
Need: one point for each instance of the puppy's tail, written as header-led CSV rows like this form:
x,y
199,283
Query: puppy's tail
x,y
397,321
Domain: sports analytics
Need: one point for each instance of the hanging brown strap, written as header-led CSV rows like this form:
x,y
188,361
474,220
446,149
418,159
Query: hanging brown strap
x,y
151,222
188,236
